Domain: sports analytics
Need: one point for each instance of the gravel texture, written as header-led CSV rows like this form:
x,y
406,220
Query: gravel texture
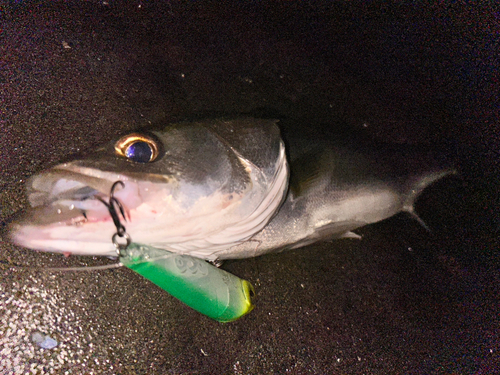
x,y
401,300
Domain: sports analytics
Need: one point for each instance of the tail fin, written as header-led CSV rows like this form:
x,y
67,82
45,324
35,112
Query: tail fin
x,y
416,189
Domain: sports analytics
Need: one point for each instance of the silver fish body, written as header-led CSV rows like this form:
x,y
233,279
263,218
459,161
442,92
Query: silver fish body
x,y
337,188
216,189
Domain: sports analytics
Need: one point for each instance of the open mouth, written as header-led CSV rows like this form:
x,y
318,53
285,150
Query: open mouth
x,y
68,213
65,196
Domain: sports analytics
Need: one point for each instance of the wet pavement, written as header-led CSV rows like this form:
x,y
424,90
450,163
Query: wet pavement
x,y
401,300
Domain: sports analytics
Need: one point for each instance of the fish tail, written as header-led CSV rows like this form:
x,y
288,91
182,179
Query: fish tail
x,y
418,187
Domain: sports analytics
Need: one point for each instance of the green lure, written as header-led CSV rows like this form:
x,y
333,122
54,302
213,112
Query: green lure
x,y
207,289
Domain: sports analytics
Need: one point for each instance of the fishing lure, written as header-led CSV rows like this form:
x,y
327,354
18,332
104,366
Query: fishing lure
x,y
205,288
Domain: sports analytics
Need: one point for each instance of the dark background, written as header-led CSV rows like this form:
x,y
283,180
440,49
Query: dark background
x,y
400,301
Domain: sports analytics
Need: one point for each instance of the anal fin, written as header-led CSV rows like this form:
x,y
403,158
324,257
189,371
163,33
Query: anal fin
x,y
351,235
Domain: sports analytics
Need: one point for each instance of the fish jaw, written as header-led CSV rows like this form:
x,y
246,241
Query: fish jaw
x,y
65,239
67,214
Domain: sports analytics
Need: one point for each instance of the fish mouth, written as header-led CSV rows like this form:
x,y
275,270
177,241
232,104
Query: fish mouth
x,y
69,195
62,201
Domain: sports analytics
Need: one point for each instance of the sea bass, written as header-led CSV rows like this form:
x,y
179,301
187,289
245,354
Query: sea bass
x,y
216,189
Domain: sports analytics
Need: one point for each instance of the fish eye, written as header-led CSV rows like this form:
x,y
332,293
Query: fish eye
x,y
137,147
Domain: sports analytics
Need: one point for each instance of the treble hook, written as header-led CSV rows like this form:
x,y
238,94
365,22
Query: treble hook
x,y
120,229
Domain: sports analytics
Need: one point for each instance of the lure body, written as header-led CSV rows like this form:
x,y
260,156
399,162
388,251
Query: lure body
x,y
205,288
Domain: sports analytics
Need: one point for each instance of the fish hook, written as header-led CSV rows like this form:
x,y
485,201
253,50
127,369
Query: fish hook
x,y
120,228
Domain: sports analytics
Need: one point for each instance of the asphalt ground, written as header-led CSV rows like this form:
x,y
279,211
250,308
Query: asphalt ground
x,y
402,300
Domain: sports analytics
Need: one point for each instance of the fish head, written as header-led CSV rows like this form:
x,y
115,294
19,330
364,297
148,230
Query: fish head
x,y
193,188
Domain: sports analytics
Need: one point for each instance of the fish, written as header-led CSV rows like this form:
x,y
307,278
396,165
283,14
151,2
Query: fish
x,y
220,189
185,193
